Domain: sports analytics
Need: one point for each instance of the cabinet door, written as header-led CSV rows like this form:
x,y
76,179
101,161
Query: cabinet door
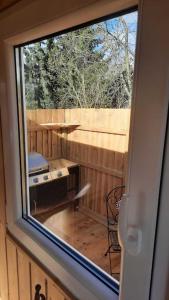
x,y
54,293
24,275
12,271
38,281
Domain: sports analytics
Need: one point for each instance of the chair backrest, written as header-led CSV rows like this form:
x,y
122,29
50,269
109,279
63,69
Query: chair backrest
x,y
113,204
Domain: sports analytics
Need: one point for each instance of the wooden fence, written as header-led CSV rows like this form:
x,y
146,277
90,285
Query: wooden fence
x,y
99,144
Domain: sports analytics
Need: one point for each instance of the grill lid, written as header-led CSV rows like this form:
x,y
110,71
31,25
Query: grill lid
x,y
36,163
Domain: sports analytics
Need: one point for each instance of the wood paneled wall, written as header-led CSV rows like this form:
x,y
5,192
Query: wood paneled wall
x,y
99,144
24,274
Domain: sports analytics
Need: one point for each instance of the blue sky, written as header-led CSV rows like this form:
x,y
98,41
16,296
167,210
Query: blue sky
x,y
130,18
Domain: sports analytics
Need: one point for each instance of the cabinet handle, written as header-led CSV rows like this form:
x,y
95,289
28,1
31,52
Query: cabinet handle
x,y
38,296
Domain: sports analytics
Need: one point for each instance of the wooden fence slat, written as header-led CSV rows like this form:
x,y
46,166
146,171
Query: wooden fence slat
x,y
39,141
45,143
49,143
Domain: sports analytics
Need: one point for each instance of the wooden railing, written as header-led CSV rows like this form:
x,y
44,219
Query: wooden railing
x,y
99,143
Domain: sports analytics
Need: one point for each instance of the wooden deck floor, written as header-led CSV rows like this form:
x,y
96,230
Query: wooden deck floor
x,y
84,234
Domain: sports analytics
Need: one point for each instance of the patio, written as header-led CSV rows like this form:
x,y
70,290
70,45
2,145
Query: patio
x,y
83,233
95,141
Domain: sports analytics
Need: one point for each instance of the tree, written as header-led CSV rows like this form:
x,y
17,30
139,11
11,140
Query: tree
x,y
88,67
121,52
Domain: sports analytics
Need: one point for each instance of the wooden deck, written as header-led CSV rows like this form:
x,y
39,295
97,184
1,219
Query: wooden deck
x,y
85,234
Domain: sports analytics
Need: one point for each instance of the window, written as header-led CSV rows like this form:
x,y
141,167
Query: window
x,y
146,146
74,99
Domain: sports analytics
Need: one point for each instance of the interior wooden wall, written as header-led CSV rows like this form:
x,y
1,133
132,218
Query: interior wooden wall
x,y
24,274
99,144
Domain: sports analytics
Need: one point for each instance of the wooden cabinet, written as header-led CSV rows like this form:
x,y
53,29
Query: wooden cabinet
x,y
26,277
38,281
54,293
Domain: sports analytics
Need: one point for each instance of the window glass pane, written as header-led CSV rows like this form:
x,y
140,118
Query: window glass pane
x,y
77,98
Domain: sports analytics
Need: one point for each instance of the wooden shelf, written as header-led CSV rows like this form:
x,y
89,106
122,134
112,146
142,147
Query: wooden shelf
x,y
61,163
56,126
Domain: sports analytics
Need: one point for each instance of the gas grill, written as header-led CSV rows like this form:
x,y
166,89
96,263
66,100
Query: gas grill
x,y
37,164
39,172
48,186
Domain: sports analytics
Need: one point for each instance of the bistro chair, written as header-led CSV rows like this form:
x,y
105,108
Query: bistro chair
x,y
112,200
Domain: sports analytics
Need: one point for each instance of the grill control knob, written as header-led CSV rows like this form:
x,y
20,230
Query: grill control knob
x,y
45,177
59,174
35,180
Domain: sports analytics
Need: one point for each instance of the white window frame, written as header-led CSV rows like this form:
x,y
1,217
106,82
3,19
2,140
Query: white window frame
x,y
79,281
144,271
23,23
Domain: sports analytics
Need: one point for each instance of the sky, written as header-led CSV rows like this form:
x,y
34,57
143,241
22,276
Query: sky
x,y
131,20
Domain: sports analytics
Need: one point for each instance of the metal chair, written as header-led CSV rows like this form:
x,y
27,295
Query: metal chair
x,y
112,209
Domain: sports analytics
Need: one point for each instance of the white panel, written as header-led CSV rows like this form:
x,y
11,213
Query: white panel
x,y
160,287
146,149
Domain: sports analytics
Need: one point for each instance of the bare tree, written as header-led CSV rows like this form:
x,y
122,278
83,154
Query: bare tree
x,y
89,67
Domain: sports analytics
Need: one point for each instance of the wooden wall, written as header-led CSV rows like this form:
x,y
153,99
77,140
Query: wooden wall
x,y
99,144
24,274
